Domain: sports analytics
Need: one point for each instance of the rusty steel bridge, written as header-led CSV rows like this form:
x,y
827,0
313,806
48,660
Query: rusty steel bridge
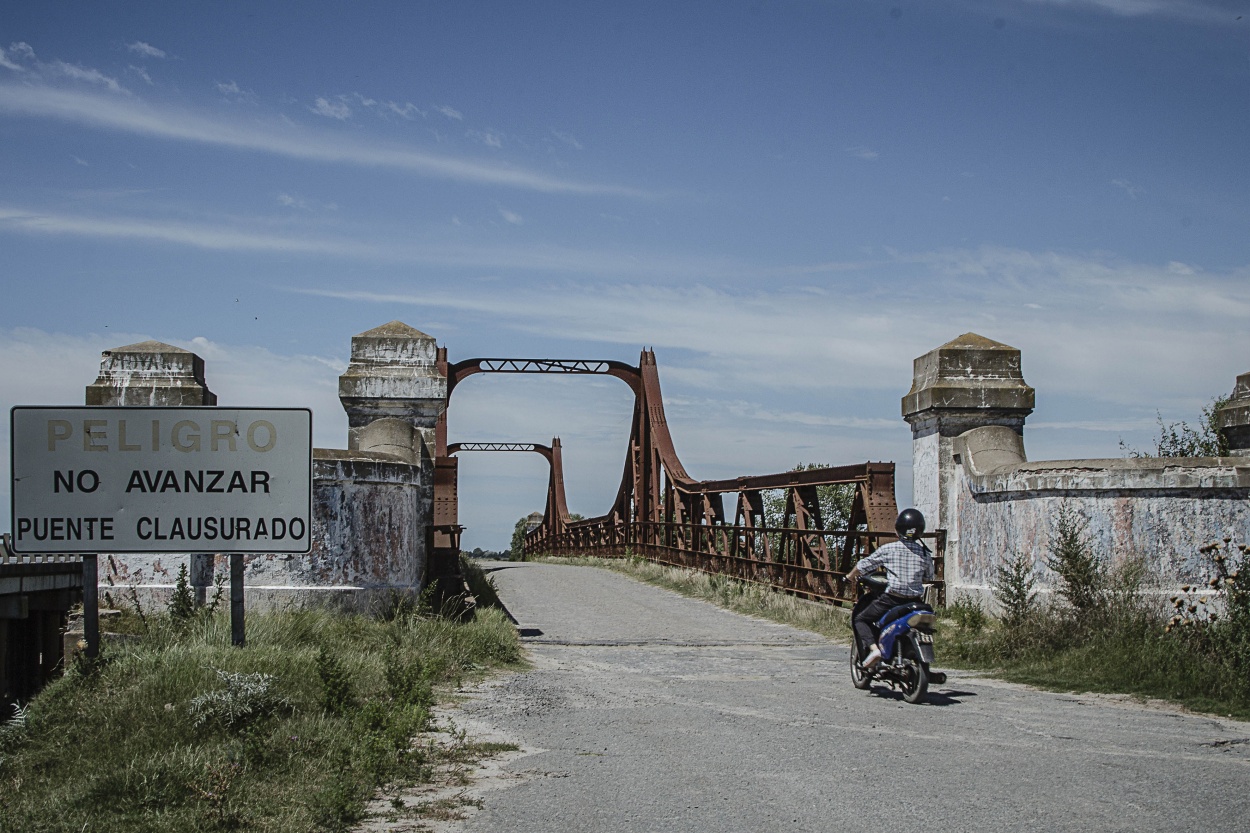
x,y
663,514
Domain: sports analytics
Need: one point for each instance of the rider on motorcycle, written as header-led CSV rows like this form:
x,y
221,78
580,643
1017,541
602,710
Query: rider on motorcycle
x,y
908,565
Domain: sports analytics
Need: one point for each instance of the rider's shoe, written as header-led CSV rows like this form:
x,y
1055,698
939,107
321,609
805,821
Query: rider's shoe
x,y
874,657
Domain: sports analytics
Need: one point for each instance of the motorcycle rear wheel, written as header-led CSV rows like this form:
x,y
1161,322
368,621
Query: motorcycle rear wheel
x,y
860,678
915,683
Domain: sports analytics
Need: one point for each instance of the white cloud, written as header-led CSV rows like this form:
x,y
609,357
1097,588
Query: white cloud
x,y
147,50
487,137
7,63
233,91
1128,187
79,160
407,110
861,152
292,202
450,112
568,138
86,75
22,51
142,74
332,109
511,216
283,139
1210,11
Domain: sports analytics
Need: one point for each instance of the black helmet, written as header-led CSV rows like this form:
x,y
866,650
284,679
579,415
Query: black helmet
x,y
910,524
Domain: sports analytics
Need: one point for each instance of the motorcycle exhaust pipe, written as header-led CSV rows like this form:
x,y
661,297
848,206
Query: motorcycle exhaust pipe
x,y
937,677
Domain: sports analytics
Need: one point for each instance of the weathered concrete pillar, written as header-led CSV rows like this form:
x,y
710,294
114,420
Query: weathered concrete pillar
x,y
154,373
150,373
1234,418
392,392
964,384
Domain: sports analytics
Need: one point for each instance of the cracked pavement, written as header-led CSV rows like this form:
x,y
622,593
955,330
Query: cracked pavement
x,y
648,711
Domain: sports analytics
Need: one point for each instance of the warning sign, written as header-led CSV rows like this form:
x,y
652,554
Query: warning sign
x,y
161,480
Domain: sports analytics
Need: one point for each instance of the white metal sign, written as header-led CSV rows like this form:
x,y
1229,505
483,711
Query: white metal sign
x,y
161,480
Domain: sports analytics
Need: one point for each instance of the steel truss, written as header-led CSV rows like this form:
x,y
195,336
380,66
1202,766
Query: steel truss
x,y
663,514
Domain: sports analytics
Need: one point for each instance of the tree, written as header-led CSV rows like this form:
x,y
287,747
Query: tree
x,y
517,551
1179,439
835,502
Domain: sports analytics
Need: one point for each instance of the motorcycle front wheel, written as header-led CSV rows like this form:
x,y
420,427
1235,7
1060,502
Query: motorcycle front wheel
x,y
860,678
915,682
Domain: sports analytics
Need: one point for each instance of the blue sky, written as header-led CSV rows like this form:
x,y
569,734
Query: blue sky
x,y
788,201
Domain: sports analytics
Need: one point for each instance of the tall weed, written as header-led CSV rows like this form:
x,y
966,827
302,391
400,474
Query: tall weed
x,y
183,731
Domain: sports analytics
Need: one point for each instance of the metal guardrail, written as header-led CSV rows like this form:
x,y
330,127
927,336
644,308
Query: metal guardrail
x,y
735,551
7,556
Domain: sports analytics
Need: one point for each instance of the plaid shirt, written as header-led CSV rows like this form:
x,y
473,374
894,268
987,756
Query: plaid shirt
x,y
908,564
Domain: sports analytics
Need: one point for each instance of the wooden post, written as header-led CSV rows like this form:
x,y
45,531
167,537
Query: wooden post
x,y
91,604
236,599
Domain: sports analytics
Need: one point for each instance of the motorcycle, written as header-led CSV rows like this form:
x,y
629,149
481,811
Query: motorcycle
x,y
905,634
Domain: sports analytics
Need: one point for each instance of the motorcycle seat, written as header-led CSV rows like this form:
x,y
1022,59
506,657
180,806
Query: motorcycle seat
x,y
898,612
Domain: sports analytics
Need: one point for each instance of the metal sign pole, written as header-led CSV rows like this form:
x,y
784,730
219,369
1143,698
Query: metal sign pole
x,y
236,599
91,604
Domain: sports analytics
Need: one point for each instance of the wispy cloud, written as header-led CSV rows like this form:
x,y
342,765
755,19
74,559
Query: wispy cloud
x,y
147,50
850,338
407,110
141,73
302,204
22,52
85,75
861,152
1127,187
233,91
450,112
283,139
8,63
568,139
336,109
79,160
1209,11
510,216
486,137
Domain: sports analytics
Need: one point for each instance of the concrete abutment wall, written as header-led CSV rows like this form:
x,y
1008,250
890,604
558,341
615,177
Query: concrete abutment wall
x,y
967,408
372,502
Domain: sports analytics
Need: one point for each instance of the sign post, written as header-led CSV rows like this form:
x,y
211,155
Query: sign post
x,y
160,480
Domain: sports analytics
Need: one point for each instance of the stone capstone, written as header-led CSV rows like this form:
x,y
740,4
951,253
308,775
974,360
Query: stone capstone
x,y
1234,418
150,373
393,373
970,373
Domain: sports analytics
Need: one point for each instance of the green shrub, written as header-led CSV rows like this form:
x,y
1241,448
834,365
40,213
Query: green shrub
x,y
182,603
338,695
246,699
1082,577
1014,586
968,613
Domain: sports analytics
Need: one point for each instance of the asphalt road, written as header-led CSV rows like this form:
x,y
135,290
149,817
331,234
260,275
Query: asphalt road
x,y
647,711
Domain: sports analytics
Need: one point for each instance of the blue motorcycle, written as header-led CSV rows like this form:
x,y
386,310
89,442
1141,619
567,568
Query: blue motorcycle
x,y
905,634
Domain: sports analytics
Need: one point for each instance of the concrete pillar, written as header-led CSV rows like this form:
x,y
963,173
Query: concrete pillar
x,y
393,381
153,373
150,373
1234,418
964,384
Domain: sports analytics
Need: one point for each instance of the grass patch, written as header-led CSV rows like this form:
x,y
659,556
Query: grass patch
x,y
1107,630
729,593
181,731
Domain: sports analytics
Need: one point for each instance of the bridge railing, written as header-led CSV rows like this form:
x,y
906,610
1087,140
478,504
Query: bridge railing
x,y
745,553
